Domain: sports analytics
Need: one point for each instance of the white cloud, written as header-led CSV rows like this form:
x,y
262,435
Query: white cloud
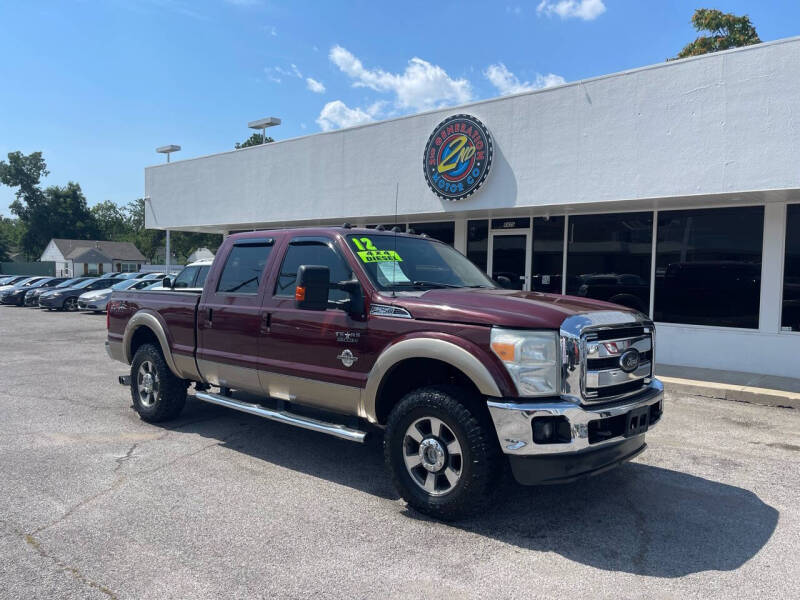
x,y
507,83
569,9
273,74
337,114
271,29
277,73
315,86
421,86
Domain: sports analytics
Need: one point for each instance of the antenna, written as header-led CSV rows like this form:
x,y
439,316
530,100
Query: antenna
x,y
395,228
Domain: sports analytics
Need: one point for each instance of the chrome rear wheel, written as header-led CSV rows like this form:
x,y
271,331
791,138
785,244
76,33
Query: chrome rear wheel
x,y
148,383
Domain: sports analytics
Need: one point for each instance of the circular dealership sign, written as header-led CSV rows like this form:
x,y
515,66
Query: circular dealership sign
x,y
458,157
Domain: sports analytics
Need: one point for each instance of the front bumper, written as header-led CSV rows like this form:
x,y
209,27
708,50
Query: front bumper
x,y
50,302
92,304
597,435
10,299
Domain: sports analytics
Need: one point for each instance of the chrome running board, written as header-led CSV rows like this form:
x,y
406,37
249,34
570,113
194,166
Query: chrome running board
x,y
334,429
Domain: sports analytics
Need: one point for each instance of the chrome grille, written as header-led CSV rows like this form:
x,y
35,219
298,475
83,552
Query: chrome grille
x,y
594,347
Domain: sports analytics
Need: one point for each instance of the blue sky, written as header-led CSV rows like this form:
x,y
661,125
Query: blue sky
x,y
97,85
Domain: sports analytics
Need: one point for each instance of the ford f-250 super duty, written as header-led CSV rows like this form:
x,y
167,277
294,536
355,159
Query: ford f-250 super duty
x,y
351,331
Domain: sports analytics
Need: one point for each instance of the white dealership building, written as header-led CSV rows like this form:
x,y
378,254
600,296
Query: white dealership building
x,y
674,188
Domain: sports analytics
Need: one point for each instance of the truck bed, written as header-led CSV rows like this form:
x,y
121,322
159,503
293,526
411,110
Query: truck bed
x,y
176,311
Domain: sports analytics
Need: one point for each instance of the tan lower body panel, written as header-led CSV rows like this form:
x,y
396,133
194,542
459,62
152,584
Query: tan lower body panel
x,y
319,394
186,366
231,376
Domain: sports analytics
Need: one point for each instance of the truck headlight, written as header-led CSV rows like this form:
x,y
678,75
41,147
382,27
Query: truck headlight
x,y
531,358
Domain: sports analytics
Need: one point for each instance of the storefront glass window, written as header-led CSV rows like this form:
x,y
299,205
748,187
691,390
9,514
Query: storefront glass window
x,y
478,242
547,254
708,266
791,271
609,258
444,231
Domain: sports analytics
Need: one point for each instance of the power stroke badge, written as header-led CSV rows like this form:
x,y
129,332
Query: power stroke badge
x,y
458,157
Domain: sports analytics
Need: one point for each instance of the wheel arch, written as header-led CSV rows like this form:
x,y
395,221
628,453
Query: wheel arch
x,y
410,355
142,328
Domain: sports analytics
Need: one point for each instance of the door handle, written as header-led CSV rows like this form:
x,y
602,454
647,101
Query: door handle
x,y
266,322
210,318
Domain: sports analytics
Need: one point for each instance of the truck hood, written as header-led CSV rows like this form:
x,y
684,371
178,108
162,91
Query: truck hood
x,y
504,308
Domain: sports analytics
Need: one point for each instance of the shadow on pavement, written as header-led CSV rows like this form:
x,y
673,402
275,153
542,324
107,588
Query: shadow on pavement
x,y
637,518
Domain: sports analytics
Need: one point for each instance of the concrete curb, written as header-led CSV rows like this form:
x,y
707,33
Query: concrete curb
x,y
736,393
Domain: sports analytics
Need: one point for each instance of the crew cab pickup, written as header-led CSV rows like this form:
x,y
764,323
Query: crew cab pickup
x,y
351,332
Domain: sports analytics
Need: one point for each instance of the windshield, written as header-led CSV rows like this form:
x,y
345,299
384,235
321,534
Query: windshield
x,y
84,284
125,284
409,263
68,283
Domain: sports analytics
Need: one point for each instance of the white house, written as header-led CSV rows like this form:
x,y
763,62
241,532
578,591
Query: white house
x,y
92,257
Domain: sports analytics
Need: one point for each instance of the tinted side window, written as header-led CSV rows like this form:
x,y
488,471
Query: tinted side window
x,y
311,253
791,272
708,266
201,276
243,269
185,278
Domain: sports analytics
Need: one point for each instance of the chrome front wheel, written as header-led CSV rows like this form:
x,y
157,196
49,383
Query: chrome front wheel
x,y
432,455
71,304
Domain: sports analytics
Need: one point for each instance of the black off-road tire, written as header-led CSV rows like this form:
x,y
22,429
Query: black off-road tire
x,y
481,467
170,391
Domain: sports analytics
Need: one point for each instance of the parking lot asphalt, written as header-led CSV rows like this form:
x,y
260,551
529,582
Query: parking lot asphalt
x,y
95,503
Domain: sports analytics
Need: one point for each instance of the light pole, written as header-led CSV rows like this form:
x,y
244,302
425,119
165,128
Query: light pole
x,y
262,125
169,149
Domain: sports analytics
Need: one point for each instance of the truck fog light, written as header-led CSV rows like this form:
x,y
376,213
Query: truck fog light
x,y
551,430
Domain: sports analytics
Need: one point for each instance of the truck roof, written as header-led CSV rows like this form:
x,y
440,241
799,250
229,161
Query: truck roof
x,y
323,230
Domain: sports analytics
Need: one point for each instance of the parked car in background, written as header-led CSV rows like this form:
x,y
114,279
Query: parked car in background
x,y
96,300
626,289
67,298
155,276
16,295
7,290
32,295
191,278
12,281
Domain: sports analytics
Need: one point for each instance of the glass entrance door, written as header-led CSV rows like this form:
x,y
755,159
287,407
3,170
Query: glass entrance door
x,y
509,259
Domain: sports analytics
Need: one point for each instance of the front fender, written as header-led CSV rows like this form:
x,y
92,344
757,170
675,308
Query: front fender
x,y
436,348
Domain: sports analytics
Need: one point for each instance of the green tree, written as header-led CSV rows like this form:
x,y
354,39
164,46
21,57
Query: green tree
x,y
5,246
55,212
12,231
111,220
725,30
24,173
254,140
147,240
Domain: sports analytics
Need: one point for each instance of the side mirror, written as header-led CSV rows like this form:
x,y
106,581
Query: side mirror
x,y
167,282
313,284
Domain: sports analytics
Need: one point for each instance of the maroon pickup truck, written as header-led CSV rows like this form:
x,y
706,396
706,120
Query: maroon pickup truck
x,y
351,331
